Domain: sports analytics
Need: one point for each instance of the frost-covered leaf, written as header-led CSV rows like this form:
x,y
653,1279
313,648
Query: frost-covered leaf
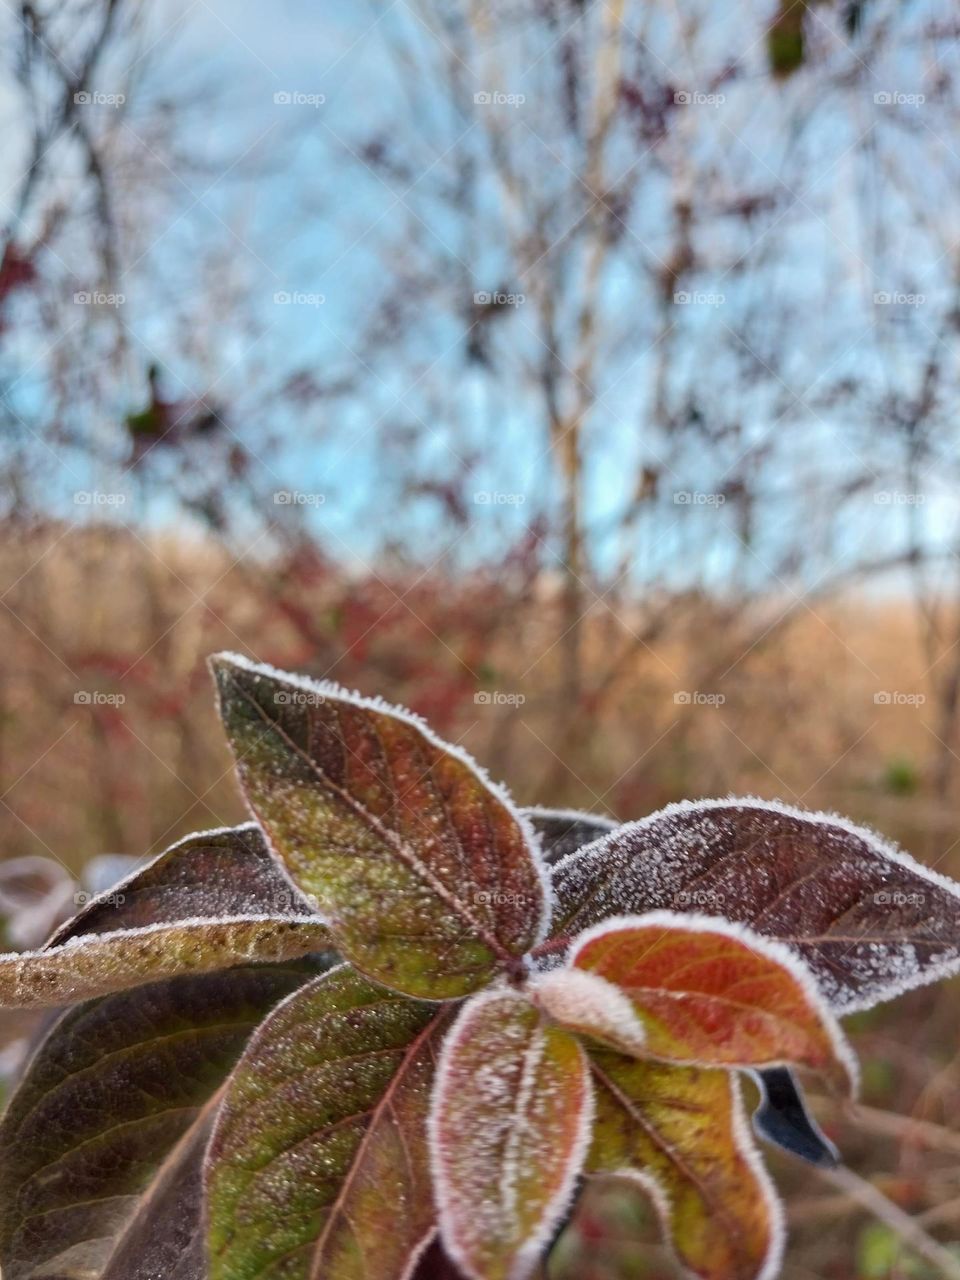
x,y
93,965
509,1126
114,1086
869,921
318,1164
782,1119
563,831
430,878
211,901
165,1241
715,994
590,1005
229,872
681,1134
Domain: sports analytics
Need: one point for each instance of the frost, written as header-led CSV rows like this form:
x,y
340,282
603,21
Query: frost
x,y
509,1129
868,920
587,1003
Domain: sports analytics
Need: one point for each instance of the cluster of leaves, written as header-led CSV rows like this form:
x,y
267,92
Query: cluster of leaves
x,y
388,1028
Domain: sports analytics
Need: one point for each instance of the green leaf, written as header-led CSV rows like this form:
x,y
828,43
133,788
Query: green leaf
x,y
429,877
509,1128
680,1133
114,1086
318,1164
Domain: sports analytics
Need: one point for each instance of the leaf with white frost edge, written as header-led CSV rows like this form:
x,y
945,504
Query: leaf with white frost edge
x,y
97,964
430,878
681,1135
868,920
782,1119
711,993
509,1126
318,1165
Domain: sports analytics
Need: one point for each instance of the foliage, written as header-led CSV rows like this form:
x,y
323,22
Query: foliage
x,y
391,1027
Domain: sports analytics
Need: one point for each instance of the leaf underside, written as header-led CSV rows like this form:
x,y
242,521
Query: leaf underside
x,y
868,921
426,873
680,1133
782,1118
114,1086
318,1167
509,1126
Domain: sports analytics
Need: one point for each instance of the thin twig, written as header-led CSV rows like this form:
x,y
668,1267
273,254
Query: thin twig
x,y
908,1229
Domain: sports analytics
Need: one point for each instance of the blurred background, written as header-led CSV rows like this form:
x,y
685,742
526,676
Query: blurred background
x,y
580,373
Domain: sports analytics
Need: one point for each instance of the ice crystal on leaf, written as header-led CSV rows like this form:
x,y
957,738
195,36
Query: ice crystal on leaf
x,y
390,1025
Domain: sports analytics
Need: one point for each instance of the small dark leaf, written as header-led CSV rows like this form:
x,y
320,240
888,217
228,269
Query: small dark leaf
x,y
563,831
782,1118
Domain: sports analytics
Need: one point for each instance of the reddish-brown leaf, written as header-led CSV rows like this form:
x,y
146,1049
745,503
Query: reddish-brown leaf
x,y
868,921
715,994
429,877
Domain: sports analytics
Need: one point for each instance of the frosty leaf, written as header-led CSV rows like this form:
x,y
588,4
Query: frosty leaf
x,y
166,1238
111,1090
509,1125
96,964
227,872
586,1003
869,922
681,1134
715,994
318,1163
430,879
782,1119
563,831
